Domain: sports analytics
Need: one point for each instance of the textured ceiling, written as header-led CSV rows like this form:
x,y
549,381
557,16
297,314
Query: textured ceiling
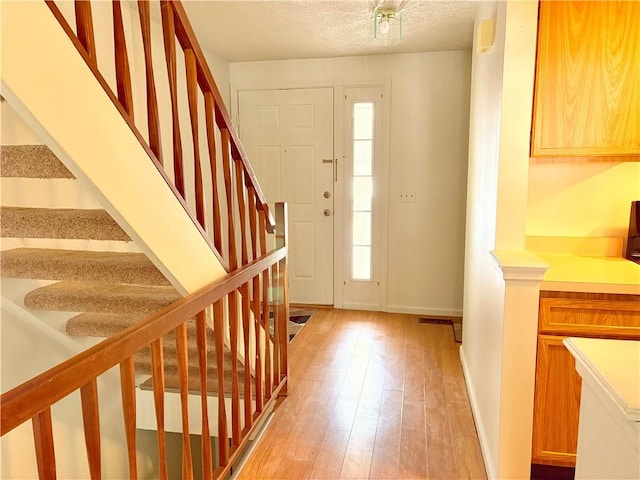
x,y
240,31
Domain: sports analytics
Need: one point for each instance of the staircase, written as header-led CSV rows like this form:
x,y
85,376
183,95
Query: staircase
x,y
182,286
109,291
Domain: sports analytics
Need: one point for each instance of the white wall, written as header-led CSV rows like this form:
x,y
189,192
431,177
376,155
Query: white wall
x,y
581,199
501,93
483,290
427,154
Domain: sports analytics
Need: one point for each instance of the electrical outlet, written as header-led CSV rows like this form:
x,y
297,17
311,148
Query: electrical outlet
x,y
407,197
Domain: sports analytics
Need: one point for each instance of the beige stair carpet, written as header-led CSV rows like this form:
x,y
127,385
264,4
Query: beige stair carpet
x,y
79,265
111,291
19,222
31,161
101,297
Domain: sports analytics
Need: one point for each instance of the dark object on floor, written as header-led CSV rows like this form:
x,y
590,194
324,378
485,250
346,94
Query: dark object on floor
x,y
298,317
297,320
550,472
457,326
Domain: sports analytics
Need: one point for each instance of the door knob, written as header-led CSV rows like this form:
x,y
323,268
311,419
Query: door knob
x,y
327,194
327,212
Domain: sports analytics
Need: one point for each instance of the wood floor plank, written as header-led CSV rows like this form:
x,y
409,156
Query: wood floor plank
x,y
385,461
469,459
372,396
413,454
357,459
441,458
328,464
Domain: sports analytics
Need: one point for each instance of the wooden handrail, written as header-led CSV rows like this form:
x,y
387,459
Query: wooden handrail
x,y
29,399
114,99
188,40
199,82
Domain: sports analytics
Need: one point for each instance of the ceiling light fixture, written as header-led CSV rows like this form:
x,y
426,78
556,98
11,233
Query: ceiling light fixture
x,y
385,20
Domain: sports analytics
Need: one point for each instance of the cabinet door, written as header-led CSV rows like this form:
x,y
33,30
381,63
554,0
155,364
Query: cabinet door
x,y
587,93
557,404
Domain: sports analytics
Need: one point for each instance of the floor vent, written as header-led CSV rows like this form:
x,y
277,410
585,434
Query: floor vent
x,y
457,327
435,320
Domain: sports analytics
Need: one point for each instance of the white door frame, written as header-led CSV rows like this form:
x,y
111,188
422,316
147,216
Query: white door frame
x,y
341,269
338,191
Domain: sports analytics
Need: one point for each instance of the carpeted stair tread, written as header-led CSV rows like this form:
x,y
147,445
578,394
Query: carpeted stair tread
x,y
31,161
105,325
100,297
170,352
101,324
172,381
77,265
93,224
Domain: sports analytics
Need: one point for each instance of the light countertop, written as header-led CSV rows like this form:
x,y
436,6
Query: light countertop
x,y
591,274
614,367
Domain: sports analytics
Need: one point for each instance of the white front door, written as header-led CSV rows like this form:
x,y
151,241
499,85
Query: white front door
x,y
288,136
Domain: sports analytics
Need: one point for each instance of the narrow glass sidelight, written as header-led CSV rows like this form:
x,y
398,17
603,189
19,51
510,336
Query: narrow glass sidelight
x,y
362,191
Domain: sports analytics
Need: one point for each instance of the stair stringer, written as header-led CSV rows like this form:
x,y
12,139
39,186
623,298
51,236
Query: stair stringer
x,y
99,149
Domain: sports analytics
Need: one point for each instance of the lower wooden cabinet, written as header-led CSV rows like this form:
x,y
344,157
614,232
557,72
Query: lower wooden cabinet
x,y
558,385
556,404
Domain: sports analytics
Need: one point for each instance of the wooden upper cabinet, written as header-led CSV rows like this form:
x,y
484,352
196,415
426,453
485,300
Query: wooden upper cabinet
x,y
587,89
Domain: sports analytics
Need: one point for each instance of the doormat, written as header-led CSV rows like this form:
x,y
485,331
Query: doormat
x,y
298,317
457,326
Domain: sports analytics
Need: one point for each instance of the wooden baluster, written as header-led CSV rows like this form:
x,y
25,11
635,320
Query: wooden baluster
x,y
266,320
235,390
277,323
244,291
84,28
246,321
201,339
43,440
209,108
282,231
157,367
242,209
255,303
153,122
169,34
123,75
226,163
183,376
252,222
258,335
91,421
218,332
128,388
192,94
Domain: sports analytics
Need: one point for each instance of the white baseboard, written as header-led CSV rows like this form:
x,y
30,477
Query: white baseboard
x,y
413,310
489,467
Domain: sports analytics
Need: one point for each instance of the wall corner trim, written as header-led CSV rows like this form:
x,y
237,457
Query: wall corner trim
x,y
519,265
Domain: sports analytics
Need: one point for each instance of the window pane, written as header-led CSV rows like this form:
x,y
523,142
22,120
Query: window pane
x,y
361,228
362,157
361,268
362,121
362,191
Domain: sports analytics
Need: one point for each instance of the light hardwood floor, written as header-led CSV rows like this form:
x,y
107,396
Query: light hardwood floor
x,y
371,396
